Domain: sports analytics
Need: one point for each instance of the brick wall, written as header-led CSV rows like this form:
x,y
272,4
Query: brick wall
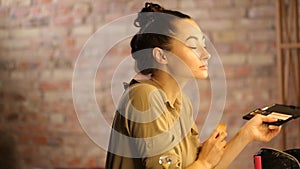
x,y
41,39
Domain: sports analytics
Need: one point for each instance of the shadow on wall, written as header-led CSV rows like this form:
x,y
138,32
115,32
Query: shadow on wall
x,y
9,158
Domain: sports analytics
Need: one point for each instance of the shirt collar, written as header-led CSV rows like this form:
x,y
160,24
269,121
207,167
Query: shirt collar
x,y
167,99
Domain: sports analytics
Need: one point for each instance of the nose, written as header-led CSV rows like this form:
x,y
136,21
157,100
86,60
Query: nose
x,y
204,54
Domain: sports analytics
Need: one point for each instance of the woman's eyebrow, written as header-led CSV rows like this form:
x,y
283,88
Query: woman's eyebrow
x,y
195,37
191,37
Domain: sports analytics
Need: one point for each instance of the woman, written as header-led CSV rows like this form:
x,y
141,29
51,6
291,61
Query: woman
x,y
153,125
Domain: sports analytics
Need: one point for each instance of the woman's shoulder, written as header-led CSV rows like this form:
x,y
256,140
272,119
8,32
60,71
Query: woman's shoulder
x,y
142,86
145,89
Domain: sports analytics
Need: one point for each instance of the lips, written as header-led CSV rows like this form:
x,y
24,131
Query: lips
x,y
204,67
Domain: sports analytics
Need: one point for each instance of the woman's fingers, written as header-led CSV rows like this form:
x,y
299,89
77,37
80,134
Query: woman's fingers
x,y
273,127
221,139
217,138
215,134
222,135
259,131
214,147
268,119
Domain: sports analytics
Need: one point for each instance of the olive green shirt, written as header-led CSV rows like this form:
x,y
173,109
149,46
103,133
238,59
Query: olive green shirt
x,y
147,128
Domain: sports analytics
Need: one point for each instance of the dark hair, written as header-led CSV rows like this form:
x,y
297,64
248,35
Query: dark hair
x,y
155,25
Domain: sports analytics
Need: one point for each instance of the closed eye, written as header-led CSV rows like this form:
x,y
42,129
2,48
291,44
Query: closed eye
x,y
193,43
191,47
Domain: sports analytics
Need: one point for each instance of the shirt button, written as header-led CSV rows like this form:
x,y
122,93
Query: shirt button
x,y
149,145
178,164
173,138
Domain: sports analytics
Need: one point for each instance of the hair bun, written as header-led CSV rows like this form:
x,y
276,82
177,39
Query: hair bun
x,y
151,7
146,15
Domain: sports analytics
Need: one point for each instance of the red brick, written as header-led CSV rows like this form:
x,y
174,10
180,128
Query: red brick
x,y
99,8
238,71
223,48
16,2
54,141
39,140
42,2
63,20
80,42
40,11
234,59
229,36
261,59
46,85
30,128
72,53
240,47
12,117
15,44
69,42
81,9
85,30
24,138
197,14
116,5
91,162
4,12
4,34
264,71
7,65
55,96
112,16
263,2
263,47
70,2
19,12
216,25
50,107
265,11
228,13
33,118
255,23
29,64
25,150
57,118
262,35
242,3
36,22
74,162
17,75
62,10
187,4
56,33
78,20
57,75
244,71
214,3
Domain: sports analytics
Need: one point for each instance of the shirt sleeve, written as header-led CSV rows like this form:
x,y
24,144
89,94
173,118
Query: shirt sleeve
x,y
151,123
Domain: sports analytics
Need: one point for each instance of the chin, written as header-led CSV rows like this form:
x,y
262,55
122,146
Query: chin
x,y
201,76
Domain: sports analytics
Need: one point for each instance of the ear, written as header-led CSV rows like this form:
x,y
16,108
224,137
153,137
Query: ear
x,y
159,55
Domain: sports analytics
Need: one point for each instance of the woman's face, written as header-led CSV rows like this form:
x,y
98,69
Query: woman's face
x,y
189,47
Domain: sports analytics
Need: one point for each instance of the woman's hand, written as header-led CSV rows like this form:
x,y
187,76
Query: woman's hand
x,y
213,149
256,130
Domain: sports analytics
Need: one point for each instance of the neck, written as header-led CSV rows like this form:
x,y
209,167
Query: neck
x,y
171,85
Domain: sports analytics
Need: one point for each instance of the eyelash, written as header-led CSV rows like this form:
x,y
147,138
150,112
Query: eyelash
x,y
191,47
